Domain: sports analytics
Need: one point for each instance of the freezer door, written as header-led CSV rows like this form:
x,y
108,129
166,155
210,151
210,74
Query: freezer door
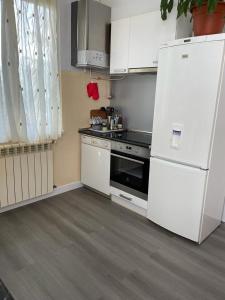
x,y
186,100
176,196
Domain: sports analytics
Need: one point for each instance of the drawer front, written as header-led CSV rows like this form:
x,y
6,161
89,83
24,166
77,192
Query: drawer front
x,y
96,142
86,139
101,143
128,197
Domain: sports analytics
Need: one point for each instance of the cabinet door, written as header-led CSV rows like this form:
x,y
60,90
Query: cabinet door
x,y
95,168
147,33
120,34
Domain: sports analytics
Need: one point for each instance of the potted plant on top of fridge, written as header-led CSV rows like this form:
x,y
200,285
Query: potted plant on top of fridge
x,y
208,15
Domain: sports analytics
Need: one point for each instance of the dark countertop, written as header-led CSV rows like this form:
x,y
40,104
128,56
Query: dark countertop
x,y
129,137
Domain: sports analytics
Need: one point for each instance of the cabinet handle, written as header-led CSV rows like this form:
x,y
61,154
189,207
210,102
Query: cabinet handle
x,y
125,197
119,70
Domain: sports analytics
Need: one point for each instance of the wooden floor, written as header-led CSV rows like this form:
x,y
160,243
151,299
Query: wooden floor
x,y
79,245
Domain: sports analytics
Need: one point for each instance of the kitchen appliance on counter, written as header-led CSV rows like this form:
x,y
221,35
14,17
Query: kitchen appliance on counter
x,y
186,186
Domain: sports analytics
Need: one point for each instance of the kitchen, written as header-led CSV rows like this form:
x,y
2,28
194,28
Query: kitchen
x,y
133,203
130,156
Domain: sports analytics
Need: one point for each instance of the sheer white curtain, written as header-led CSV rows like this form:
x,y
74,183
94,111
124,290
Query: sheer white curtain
x,y
12,119
34,99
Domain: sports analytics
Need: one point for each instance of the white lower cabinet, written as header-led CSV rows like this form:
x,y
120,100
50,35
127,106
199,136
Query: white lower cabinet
x,y
95,163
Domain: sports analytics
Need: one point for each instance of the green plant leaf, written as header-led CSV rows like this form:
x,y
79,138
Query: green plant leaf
x,y
185,6
212,5
199,2
170,5
163,9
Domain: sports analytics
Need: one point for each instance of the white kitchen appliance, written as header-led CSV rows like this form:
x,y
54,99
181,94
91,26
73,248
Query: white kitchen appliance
x,y
187,177
129,176
95,163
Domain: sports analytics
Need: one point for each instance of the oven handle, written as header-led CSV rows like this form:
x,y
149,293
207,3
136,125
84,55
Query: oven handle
x,y
127,158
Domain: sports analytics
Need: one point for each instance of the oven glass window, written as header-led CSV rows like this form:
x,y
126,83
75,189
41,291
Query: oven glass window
x,y
131,172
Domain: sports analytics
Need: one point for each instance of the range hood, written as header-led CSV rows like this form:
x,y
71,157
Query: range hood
x,y
90,34
147,70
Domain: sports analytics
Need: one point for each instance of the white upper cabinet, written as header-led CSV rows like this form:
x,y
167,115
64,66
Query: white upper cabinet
x,y
120,34
147,33
136,40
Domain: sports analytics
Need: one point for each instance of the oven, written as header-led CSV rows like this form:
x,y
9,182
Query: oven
x,y
129,169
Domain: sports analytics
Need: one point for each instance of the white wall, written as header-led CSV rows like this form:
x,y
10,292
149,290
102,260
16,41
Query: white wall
x,y
76,105
127,8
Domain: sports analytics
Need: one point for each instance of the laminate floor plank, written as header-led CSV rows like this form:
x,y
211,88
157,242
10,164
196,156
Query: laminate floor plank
x,y
81,246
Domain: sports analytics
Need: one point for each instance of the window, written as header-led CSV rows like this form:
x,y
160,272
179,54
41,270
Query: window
x,y
29,78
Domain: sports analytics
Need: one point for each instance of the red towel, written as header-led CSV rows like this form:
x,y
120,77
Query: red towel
x,y
92,90
95,92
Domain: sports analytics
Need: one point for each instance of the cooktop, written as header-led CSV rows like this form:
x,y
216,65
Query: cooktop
x,y
130,137
133,136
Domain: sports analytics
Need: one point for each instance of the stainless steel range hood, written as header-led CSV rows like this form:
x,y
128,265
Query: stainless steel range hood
x,y
90,34
146,70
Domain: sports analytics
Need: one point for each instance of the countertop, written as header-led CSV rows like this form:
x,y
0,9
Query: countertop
x,y
136,138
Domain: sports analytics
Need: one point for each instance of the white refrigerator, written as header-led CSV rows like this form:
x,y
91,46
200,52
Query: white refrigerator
x,y
187,165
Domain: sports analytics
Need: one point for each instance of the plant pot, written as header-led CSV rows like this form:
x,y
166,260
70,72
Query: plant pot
x,y
205,23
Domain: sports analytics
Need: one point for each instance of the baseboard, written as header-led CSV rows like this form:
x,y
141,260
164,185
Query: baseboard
x,y
66,188
57,191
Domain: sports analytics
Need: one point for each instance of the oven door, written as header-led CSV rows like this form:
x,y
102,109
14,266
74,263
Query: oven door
x,y
130,174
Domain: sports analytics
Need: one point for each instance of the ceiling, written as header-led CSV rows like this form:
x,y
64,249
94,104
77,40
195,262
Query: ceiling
x,y
150,4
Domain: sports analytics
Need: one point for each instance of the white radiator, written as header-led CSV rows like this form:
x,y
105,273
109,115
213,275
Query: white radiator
x,y
26,172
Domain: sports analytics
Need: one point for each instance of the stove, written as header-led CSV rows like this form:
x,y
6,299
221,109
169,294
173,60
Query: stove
x,y
136,138
129,171
133,137
130,163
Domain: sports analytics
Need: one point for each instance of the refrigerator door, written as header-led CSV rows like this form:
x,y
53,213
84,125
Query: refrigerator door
x,y
176,197
186,101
